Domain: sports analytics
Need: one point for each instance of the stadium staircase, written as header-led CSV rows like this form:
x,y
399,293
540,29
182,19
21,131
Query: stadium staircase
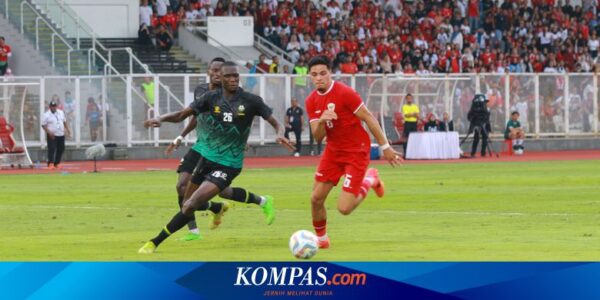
x,y
174,61
68,57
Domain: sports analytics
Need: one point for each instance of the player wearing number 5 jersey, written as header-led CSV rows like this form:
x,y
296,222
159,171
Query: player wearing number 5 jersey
x,y
336,111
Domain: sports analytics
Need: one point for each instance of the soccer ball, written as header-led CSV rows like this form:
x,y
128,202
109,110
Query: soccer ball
x,y
519,152
304,244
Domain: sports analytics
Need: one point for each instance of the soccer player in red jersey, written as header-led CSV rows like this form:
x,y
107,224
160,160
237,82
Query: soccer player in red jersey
x,y
336,111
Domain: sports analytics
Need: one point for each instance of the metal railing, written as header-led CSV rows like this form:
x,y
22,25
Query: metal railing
x,y
61,11
271,49
38,18
576,115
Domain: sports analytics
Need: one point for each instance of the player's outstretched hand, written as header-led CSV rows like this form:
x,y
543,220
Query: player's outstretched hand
x,y
152,123
392,157
174,145
328,115
286,143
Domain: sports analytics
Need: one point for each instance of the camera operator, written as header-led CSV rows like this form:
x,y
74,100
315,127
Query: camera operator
x,y
479,123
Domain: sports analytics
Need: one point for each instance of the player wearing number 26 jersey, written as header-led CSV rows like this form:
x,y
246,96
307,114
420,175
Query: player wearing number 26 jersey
x,y
336,111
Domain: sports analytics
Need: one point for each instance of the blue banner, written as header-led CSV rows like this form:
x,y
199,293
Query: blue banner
x,y
255,280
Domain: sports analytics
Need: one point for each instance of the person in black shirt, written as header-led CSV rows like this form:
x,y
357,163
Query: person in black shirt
x,y
164,39
446,124
432,123
294,123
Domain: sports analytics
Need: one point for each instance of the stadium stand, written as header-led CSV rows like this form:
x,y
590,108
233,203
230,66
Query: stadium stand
x,y
422,37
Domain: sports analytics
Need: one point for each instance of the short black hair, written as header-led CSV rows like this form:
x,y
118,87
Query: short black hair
x,y
319,60
228,64
515,113
1,38
219,59
409,94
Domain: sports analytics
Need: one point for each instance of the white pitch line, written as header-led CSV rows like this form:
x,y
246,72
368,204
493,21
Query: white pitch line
x,y
406,212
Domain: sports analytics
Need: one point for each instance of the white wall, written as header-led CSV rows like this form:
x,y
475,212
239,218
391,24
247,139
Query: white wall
x,y
109,18
231,31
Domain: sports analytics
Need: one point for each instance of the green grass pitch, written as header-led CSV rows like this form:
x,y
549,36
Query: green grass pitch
x,y
534,211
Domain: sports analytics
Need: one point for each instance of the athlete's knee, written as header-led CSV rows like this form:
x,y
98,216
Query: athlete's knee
x,y
317,200
181,186
345,209
227,193
188,208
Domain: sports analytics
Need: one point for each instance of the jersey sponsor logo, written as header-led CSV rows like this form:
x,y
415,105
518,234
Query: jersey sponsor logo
x,y
217,109
330,107
241,110
317,111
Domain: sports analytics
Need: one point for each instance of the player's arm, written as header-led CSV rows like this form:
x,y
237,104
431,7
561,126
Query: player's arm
x,y
279,131
286,120
177,141
318,129
50,135
388,153
67,130
176,117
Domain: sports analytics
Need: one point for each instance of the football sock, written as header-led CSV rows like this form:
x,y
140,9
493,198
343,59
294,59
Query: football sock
x,y
241,195
192,224
178,221
364,188
214,207
320,227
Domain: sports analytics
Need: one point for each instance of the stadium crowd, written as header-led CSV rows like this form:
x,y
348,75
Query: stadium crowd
x,y
421,36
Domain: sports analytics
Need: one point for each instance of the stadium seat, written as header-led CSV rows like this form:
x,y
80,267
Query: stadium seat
x,y
399,126
7,142
507,147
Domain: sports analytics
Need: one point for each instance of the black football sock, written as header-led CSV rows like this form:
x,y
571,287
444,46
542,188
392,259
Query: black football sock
x,y
192,224
178,221
215,207
241,195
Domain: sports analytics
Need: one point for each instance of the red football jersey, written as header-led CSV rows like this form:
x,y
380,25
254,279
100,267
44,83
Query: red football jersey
x,y
346,133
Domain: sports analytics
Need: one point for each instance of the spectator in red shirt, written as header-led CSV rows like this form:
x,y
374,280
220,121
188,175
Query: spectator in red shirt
x,y
170,19
349,67
262,67
5,53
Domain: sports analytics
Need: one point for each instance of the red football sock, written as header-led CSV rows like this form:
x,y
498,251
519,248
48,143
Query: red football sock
x,y
320,227
364,188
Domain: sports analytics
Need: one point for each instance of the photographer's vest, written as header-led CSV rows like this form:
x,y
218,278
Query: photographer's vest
x,y
300,80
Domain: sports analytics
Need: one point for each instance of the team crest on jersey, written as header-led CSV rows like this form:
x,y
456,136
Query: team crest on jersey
x,y
217,109
241,110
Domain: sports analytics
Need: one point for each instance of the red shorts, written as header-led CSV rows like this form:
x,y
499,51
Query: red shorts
x,y
334,165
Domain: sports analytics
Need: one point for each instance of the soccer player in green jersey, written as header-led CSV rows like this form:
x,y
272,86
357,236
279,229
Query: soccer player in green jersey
x,y
190,160
515,132
225,116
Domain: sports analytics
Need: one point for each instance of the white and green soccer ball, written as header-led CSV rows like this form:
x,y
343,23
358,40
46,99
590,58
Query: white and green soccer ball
x,y
304,244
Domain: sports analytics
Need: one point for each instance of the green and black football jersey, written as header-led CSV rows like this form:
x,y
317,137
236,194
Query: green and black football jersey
x,y
224,125
198,92
511,124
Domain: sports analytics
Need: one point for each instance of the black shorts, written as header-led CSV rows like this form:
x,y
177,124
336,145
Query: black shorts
x,y
220,175
189,162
